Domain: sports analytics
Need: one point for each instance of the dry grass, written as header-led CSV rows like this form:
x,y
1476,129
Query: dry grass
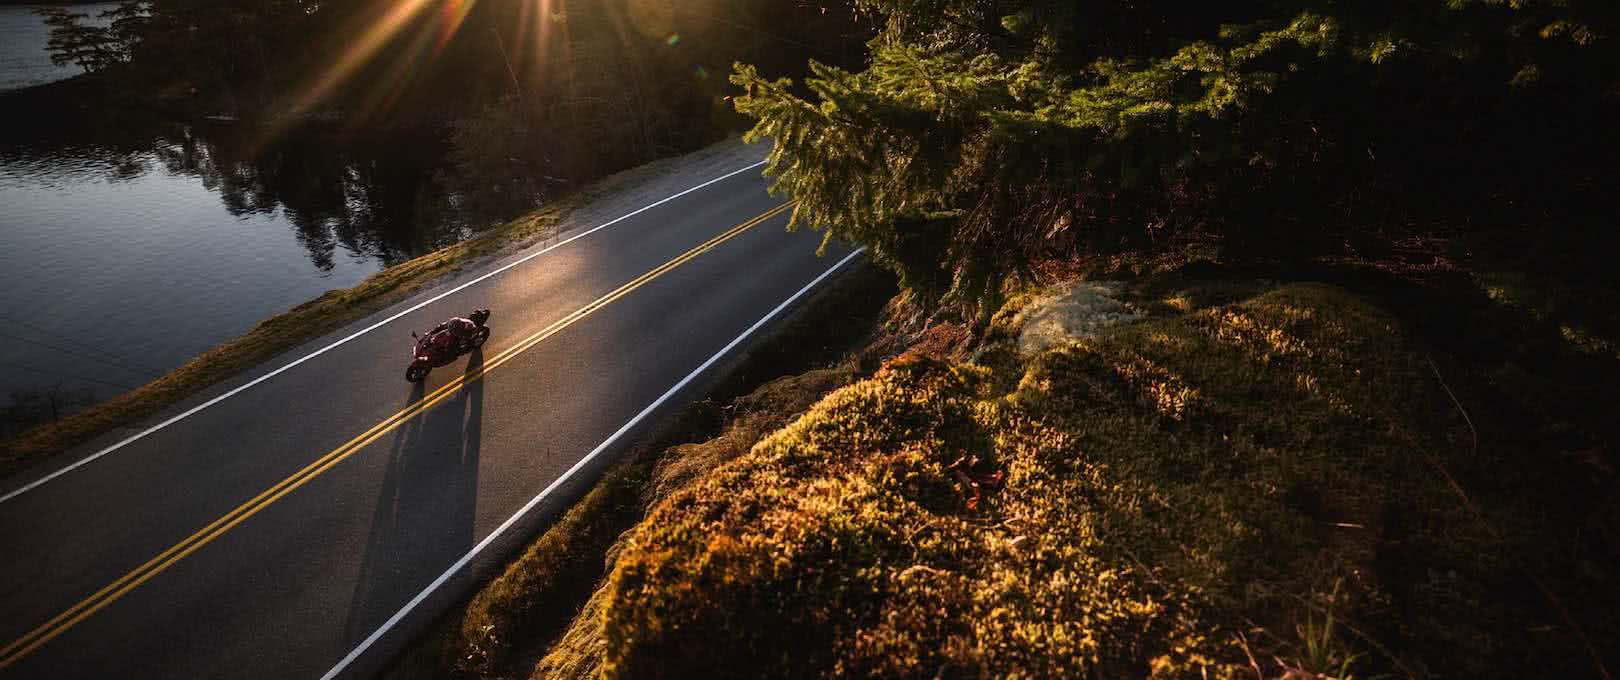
x,y
522,601
275,335
303,323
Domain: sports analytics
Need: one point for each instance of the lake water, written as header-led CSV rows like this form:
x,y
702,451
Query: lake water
x,y
129,245
23,60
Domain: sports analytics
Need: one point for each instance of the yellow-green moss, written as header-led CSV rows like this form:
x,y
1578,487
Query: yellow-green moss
x,y
521,612
1168,499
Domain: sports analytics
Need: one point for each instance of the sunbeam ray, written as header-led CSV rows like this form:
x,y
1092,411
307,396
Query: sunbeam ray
x,y
375,34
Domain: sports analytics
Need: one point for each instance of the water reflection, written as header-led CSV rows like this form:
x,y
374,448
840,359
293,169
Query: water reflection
x,y
380,199
151,239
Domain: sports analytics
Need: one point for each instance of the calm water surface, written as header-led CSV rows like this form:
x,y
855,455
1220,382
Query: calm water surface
x,y
23,60
128,246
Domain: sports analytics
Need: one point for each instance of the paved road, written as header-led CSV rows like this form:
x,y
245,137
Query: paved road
x,y
311,522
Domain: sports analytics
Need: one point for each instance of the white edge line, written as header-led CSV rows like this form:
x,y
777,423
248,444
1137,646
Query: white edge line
x,y
440,581
193,410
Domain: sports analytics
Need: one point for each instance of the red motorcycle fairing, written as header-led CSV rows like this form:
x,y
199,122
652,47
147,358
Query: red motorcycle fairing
x,y
430,353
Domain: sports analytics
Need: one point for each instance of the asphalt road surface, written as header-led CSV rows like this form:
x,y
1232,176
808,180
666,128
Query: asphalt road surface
x,y
307,520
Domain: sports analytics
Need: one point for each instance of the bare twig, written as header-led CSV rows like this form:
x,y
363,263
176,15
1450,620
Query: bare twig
x,y
1454,400
1144,567
1243,640
921,568
918,531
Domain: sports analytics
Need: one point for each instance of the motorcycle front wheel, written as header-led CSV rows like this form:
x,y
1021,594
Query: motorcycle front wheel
x,y
416,372
479,337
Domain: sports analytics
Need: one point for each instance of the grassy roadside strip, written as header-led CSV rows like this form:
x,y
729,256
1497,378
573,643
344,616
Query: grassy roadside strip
x,y
272,336
503,629
313,319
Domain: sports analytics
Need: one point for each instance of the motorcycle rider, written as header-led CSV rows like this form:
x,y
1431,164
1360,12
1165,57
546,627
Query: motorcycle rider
x,y
449,337
446,342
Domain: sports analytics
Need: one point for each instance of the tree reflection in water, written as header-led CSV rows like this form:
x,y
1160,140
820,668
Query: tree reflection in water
x,y
382,202
386,199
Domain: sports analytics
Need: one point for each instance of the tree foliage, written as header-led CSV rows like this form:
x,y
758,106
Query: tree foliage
x,y
985,134
618,82
530,94
90,47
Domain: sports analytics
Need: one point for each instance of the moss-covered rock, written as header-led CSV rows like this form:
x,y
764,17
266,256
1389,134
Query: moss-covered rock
x,y
1180,497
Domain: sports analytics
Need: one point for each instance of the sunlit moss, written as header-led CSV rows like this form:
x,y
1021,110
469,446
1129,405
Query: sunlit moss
x,y
1142,498
1588,342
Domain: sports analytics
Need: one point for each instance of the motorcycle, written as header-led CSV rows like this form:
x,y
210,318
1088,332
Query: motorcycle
x,y
427,355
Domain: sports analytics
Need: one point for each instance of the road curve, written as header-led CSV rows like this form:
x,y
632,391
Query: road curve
x,y
311,522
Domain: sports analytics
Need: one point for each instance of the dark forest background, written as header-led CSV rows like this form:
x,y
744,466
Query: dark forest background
x,y
529,96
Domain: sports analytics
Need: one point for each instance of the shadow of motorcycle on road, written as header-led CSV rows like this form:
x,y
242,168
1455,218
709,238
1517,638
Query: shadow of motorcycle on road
x,y
425,507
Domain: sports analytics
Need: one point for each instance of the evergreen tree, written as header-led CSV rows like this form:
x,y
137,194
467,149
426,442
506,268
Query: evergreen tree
x,y
983,135
91,48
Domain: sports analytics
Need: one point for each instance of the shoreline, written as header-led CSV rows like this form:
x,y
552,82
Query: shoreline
x,y
332,311
49,93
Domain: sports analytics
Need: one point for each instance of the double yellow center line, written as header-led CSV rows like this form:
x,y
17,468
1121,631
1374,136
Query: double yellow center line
x,y
128,582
